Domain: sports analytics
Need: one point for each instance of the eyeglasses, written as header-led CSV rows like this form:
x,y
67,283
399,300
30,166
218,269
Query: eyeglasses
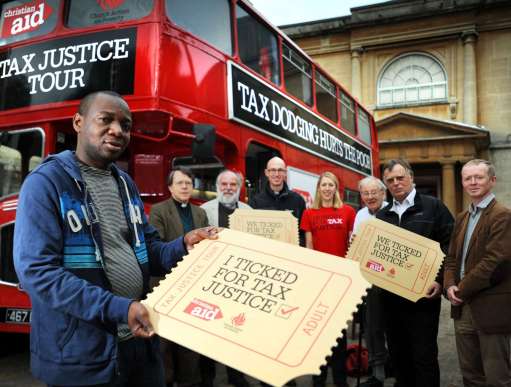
x,y
274,171
369,193
396,179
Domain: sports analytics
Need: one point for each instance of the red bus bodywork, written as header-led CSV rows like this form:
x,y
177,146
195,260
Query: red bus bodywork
x,y
177,80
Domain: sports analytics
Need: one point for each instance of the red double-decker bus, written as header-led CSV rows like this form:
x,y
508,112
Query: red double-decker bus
x,y
211,85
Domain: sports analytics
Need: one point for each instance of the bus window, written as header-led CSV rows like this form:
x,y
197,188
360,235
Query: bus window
x,y
21,20
325,97
257,46
364,127
352,198
347,113
211,23
85,13
297,75
20,152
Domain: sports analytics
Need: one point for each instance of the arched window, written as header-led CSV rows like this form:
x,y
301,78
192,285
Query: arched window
x,y
412,79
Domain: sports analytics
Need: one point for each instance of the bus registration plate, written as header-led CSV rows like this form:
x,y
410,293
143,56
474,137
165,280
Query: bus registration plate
x,y
17,316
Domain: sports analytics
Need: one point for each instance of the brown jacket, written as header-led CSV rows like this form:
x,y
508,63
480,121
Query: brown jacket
x,y
486,286
165,218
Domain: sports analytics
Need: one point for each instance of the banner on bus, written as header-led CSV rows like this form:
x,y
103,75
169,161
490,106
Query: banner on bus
x,y
264,108
70,68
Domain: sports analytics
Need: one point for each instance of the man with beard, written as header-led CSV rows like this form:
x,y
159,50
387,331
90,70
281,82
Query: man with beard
x,y
228,187
83,250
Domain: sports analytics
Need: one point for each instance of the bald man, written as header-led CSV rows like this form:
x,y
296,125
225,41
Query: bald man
x,y
276,195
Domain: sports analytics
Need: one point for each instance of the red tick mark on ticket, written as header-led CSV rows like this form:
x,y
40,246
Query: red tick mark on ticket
x,y
285,310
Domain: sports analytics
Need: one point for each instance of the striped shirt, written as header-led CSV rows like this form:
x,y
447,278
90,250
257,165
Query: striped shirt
x,y
119,260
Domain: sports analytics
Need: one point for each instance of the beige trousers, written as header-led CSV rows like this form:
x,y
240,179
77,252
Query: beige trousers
x,y
484,358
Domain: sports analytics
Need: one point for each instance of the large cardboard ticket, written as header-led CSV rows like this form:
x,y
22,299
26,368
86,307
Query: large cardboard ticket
x,y
267,308
395,259
279,225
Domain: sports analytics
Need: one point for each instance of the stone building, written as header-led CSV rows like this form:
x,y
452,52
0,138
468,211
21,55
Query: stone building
x,y
437,76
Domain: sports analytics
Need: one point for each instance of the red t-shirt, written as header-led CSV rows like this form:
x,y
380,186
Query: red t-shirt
x,y
330,228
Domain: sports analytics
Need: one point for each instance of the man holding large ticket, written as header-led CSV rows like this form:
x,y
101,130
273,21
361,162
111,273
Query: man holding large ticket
x,y
412,327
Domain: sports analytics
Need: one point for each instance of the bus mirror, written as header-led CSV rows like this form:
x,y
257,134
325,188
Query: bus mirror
x,y
203,147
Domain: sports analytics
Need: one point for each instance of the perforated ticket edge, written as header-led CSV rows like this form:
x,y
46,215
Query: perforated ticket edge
x,y
272,372
358,252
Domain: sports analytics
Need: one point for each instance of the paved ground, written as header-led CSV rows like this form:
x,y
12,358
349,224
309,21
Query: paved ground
x,y
14,360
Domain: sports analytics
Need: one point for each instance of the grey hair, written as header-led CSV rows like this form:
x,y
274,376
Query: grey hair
x,y
490,166
239,177
371,179
405,164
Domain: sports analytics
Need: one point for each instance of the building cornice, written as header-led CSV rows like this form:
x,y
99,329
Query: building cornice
x,y
396,11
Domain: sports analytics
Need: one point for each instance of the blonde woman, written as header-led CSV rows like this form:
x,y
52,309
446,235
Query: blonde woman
x,y
328,226
329,223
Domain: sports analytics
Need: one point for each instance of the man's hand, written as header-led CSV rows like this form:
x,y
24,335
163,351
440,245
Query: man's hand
x,y
195,236
138,320
434,290
451,295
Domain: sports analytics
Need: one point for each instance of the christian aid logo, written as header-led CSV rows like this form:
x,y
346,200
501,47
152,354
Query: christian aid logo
x,y
203,310
109,4
25,18
375,266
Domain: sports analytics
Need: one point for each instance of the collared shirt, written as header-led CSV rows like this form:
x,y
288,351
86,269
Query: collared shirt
x,y
400,208
473,218
363,215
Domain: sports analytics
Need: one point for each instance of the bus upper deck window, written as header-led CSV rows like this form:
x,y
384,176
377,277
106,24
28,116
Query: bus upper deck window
x,y
297,74
211,23
25,19
364,127
86,13
257,46
347,113
325,97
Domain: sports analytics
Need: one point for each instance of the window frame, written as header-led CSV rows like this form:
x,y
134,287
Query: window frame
x,y
361,112
301,70
21,37
67,11
233,35
43,144
404,88
334,95
353,109
236,49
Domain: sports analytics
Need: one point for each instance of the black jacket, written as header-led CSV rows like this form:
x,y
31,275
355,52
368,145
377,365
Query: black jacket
x,y
428,217
284,200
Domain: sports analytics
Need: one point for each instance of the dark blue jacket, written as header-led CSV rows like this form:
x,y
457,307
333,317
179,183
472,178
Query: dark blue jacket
x,y
58,258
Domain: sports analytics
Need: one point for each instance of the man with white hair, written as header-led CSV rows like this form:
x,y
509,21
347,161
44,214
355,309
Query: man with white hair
x,y
372,191
228,187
